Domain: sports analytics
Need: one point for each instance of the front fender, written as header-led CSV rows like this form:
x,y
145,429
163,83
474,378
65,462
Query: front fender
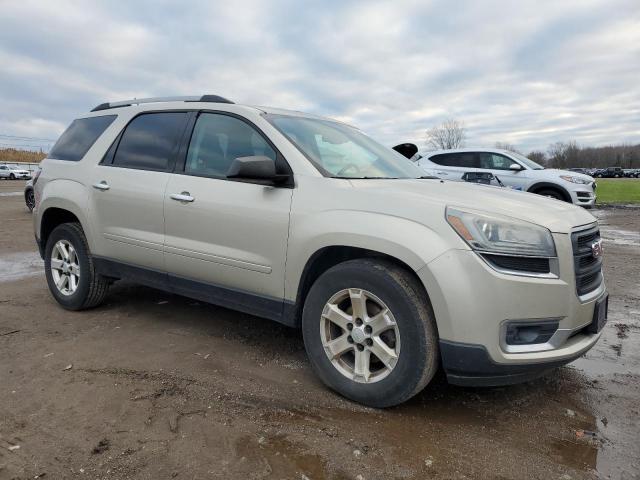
x,y
410,242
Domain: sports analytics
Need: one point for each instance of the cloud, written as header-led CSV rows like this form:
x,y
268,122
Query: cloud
x,y
528,73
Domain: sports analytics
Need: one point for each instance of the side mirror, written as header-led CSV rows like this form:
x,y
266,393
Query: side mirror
x,y
257,167
515,167
406,149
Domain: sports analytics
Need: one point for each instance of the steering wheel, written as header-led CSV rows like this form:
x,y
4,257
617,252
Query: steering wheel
x,y
346,168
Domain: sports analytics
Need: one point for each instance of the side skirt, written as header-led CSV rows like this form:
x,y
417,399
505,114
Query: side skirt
x,y
277,309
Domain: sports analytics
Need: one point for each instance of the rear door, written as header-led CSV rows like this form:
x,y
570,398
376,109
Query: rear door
x,y
221,232
128,187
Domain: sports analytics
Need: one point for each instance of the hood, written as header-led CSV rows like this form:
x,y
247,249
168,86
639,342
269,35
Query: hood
x,y
557,216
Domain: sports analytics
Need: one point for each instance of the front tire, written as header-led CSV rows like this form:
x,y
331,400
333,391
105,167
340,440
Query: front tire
x,y
12,177
547,192
370,332
70,271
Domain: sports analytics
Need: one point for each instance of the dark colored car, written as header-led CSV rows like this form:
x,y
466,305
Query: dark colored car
x,y
610,172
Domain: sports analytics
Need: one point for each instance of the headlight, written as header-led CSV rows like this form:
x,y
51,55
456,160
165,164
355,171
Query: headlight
x,y
571,179
501,235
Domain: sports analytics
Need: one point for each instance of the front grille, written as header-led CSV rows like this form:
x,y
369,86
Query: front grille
x,y
520,264
588,269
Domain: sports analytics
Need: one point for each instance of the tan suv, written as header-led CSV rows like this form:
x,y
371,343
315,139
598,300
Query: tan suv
x,y
308,222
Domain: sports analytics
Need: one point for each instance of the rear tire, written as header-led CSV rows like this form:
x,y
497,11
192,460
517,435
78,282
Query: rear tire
x,y
30,199
72,277
383,284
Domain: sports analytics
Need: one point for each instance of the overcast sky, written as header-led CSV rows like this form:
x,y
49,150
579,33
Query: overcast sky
x,y
526,72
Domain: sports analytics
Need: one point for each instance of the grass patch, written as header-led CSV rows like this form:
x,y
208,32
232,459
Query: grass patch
x,y
618,190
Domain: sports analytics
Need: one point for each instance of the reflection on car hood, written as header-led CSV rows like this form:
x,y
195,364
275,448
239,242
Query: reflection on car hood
x,y
556,215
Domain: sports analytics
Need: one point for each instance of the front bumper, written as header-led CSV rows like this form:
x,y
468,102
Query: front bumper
x,y
22,176
583,195
472,302
470,365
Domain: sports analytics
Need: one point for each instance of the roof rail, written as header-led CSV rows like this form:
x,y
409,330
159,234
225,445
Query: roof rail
x,y
138,101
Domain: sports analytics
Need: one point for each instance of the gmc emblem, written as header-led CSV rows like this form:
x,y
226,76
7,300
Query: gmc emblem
x,y
596,249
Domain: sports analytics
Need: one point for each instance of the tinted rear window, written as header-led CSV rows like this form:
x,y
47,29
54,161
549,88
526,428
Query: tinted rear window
x,y
149,141
464,159
76,140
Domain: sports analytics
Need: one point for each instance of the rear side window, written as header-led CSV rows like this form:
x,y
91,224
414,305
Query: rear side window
x,y
149,141
464,160
76,140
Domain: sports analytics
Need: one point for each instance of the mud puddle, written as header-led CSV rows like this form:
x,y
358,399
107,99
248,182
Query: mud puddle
x,y
16,266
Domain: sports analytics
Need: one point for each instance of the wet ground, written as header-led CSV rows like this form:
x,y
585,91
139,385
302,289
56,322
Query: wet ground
x,y
156,386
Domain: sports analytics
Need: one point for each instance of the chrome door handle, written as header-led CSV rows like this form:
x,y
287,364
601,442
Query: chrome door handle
x,y
101,186
182,197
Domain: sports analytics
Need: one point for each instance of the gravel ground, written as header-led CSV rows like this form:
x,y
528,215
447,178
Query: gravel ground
x,y
156,386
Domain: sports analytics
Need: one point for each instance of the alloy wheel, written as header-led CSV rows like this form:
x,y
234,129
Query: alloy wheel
x,y
360,335
65,267
31,200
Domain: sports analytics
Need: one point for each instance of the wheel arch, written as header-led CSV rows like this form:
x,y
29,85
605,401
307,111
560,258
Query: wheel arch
x,y
536,187
60,201
50,219
328,256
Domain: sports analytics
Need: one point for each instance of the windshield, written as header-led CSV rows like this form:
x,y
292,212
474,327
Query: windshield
x,y
341,151
529,163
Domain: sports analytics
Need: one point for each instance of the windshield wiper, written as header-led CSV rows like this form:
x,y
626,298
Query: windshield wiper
x,y
428,177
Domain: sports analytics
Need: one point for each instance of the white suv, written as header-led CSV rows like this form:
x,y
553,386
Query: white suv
x,y
14,173
512,170
308,222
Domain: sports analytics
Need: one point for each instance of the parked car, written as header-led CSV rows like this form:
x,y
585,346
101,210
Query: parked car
x,y
512,170
631,172
610,172
306,221
14,173
29,194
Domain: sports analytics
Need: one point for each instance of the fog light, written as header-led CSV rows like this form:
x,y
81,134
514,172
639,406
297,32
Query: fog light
x,y
530,333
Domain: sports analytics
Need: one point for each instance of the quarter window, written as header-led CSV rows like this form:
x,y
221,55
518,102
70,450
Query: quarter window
x,y
218,140
149,141
79,137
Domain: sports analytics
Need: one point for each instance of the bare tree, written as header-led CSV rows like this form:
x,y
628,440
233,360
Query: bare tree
x,y
564,155
507,146
449,134
538,157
